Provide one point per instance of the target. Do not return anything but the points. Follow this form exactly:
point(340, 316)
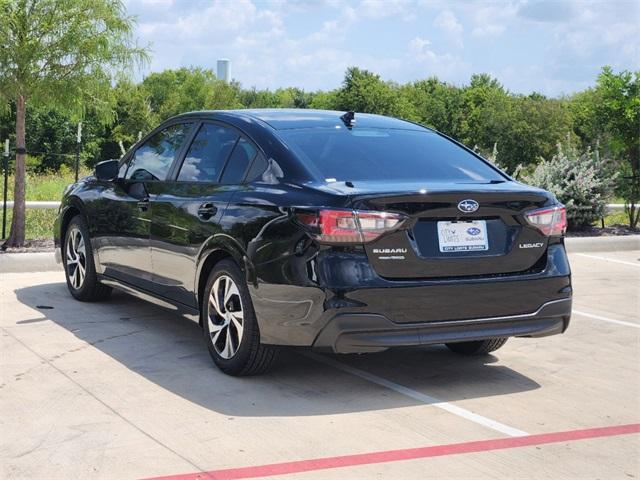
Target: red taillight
point(549, 220)
point(350, 226)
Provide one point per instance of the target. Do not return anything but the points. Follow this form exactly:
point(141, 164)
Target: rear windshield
point(382, 154)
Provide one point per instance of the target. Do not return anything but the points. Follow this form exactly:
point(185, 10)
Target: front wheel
point(230, 326)
point(79, 266)
point(479, 347)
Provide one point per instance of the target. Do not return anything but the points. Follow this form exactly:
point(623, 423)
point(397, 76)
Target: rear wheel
point(230, 326)
point(480, 347)
point(79, 266)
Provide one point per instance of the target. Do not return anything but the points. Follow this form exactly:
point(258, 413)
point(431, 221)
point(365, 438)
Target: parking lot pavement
point(124, 389)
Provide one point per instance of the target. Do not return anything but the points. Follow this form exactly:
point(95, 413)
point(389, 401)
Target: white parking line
point(607, 259)
point(421, 397)
point(605, 319)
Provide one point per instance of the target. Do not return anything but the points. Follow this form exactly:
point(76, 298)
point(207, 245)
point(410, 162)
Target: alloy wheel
point(225, 317)
point(76, 256)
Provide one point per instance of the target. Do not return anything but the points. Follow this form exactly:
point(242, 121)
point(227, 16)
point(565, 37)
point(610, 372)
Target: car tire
point(79, 264)
point(230, 327)
point(479, 347)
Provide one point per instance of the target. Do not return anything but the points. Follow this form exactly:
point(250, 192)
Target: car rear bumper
point(350, 308)
point(356, 333)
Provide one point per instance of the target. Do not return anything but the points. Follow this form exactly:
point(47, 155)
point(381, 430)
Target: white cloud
point(335, 30)
point(452, 28)
point(448, 22)
point(418, 45)
point(378, 9)
point(426, 62)
point(492, 19)
point(548, 10)
point(489, 30)
point(216, 20)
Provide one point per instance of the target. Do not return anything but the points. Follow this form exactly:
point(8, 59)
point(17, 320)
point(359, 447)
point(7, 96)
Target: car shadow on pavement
point(169, 351)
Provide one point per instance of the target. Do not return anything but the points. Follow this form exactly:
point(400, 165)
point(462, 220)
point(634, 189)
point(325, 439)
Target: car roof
point(291, 118)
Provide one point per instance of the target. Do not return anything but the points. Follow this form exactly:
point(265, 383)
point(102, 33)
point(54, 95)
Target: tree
point(487, 109)
point(436, 104)
point(618, 111)
point(325, 100)
point(586, 124)
point(187, 89)
point(62, 53)
point(254, 98)
point(531, 129)
point(133, 116)
point(363, 91)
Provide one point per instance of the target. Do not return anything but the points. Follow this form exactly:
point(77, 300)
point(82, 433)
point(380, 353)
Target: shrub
point(582, 181)
point(493, 157)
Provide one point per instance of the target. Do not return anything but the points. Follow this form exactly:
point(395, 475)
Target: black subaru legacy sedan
point(340, 231)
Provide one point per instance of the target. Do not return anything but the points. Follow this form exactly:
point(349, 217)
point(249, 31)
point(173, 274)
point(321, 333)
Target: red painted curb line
point(405, 454)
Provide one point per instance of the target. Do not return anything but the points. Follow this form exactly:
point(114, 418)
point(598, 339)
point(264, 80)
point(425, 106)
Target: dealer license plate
point(463, 236)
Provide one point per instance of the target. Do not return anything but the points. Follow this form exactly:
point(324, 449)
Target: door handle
point(207, 210)
point(143, 205)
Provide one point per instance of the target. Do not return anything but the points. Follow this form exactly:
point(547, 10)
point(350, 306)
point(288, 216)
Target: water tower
point(224, 70)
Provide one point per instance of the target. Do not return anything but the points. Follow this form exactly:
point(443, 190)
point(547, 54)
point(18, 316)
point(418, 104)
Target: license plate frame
point(462, 236)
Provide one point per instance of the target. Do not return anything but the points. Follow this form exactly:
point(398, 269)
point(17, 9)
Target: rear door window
point(258, 167)
point(242, 156)
point(153, 159)
point(208, 153)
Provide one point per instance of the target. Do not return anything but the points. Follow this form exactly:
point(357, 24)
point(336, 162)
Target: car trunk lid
point(444, 236)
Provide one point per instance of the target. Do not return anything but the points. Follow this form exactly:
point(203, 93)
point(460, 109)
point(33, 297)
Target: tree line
point(482, 114)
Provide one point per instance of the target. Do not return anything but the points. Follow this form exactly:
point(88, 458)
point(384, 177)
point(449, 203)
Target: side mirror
point(107, 170)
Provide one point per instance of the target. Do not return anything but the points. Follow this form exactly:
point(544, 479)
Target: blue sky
point(550, 46)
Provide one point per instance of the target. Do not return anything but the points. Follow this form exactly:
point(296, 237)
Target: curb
point(28, 262)
point(602, 244)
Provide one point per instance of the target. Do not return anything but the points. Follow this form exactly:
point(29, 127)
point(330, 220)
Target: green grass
point(44, 186)
point(618, 217)
point(38, 223)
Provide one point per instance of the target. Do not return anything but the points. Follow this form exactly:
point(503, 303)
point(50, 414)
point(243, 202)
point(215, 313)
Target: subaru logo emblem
point(468, 206)
point(473, 231)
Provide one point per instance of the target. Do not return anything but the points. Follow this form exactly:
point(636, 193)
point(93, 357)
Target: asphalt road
point(124, 389)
